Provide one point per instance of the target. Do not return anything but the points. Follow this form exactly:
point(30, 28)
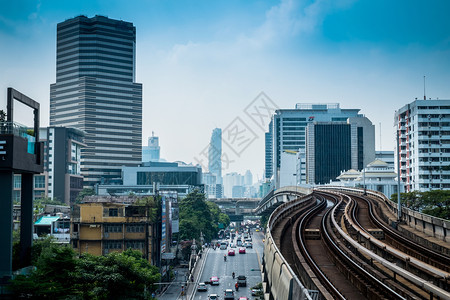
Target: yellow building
point(100, 228)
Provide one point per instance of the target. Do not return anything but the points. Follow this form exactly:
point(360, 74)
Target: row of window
point(118, 244)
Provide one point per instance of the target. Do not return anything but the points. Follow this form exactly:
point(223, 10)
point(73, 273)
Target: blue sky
point(202, 62)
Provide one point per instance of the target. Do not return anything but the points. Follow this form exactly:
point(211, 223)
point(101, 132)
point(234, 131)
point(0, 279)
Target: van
point(223, 246)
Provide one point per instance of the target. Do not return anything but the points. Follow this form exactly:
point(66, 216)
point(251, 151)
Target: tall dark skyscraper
point(95, 91)
point(215, 155)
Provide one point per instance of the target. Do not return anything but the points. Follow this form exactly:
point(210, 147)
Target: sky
point(208, 64)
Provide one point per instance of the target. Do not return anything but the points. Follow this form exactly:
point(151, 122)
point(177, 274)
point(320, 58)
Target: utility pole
point(399, 204)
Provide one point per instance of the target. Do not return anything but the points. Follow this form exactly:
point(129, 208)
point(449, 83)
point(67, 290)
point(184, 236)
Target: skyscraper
point(152, 151)
point(423, 127)
point(215, 154)
point(95, 91)
point(288, 132)
point(268, 172)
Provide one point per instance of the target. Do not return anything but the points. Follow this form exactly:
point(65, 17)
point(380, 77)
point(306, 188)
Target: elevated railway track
point(339, 248)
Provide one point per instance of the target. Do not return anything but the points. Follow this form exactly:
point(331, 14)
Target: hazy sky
point(202, 63)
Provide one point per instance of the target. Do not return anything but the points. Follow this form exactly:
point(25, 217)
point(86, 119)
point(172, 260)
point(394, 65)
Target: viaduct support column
point(6, 224)
point(26, 219)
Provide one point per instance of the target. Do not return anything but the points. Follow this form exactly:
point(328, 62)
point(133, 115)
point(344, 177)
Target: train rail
point(356, 264)
point(424, 276)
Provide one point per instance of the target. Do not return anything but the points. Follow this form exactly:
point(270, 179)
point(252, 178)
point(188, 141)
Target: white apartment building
point(423, 127)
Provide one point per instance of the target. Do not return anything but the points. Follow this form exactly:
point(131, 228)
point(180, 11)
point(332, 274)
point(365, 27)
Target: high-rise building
point(95, 91)
point(212, 188)
point(333, 147)
point(248, 178)
point(288, 131)
point(215, 154)
point(152, 151)
point(423, 127)
point(268, 172)
point(61, 179)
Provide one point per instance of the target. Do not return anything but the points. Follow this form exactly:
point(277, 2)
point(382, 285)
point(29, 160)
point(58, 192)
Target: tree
point(152, 206)
point(59, 274)
point(52, 278)
point(435, 203)
point(195, 217)
point(115, 276)
point(83, 193)
point(2, 116)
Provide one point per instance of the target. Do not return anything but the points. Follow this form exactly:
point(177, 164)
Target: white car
point(213, 297)
point(202, 287)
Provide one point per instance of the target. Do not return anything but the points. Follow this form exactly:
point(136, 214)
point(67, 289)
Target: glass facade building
point(95, 91)
point(287, 132)
point(215, 154)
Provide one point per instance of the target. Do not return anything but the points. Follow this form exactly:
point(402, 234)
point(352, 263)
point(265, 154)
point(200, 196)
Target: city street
point(240, 264)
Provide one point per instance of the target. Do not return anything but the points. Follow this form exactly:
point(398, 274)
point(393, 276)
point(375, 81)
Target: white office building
point(423, 127)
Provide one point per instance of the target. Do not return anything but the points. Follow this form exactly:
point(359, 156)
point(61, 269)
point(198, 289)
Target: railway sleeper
point(363, 261)
point(371, 290)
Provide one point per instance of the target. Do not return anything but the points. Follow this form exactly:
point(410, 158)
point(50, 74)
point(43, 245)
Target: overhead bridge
point(279, 196)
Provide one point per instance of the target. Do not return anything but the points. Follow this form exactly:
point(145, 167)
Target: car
point(228, 294)
point(232, 245)
point(213, 297)
point(242, 280)
point(243, 298)
point(242, 250)
point(214, 280)
point(202, 287)
point(256, 292)
point(231, 252)
point(257, 229)
point(249, 245)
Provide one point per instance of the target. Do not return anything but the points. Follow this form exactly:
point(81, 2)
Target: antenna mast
point(424, 95)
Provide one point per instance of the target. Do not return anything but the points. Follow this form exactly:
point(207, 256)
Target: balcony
point(18, 129)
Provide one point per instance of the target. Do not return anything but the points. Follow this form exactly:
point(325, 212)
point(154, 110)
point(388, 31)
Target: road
point(240, 264)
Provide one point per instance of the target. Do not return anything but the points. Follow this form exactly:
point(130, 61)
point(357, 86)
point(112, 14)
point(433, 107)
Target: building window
point(39, 181)
point(16, 196)
point(135, 228)
point(135, 245)
point(39, 194)
point(112, 244)
point(17, 181)
point(113, 212)
point(113, 228)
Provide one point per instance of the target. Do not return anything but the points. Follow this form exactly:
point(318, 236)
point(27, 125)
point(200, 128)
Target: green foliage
point(83, 193)
point(263, 220)
point(260, 294)
point(59, 274)
point(39, 204)
point(152, 205)
point(197, 215)
point(2, 116)
point(435, 203)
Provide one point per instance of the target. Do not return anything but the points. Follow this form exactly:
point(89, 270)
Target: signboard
point(167, 255)
point(163, 224)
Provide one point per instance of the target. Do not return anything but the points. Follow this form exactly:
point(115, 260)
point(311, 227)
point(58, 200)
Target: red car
point(242, 250)
point(231, 252)
point(214, 280)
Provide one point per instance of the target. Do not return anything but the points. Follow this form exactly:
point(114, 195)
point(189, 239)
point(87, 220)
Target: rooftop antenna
point(381, 148)
point(424, 97)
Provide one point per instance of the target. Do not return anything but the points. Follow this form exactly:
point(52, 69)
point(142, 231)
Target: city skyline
point(203, 65)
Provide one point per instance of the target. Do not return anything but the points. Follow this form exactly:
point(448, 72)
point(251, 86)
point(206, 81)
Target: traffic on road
point(230, 272)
